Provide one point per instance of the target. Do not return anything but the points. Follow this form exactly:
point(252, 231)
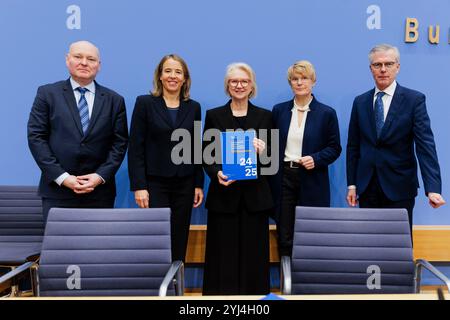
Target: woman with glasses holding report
point(237, 241)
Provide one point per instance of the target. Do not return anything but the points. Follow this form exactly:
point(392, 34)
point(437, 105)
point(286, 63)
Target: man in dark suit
point(78, 135)
point(386, 124)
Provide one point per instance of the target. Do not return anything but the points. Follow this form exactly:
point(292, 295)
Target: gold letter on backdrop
point(434, 39)
point(412, 24)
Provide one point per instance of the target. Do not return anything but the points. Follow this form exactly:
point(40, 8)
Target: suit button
point(82, 144)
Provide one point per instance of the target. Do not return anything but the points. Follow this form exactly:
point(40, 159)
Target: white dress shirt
point(294, 143)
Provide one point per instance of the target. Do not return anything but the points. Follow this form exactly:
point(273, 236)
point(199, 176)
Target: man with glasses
point(386, 124)
point(77, 133)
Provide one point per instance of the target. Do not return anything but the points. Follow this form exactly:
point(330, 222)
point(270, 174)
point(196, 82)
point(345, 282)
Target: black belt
point(292, 164)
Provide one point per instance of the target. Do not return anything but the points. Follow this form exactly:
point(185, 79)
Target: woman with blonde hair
point(237, 240)
point(308, 143)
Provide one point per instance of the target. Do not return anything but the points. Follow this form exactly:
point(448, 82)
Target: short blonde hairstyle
point(248, 70)
point(303, 67)
point(157, 84)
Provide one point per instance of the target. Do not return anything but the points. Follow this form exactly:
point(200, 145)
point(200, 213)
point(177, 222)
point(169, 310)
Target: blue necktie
point(83, 109)
point(379, 112)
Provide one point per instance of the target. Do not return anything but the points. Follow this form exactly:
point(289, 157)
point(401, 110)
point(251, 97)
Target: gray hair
point(383, 48)
point(248, 70)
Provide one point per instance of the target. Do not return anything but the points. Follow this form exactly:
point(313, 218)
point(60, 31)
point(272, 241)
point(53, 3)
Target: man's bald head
point(83, 62)
point(83, 44)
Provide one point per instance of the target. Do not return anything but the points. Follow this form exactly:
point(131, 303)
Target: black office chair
point(21, 233)
point(352, 251)
point(108, 252)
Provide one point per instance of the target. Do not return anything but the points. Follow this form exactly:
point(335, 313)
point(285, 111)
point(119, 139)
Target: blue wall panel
point(269, 35)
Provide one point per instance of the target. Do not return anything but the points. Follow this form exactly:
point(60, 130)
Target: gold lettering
point(412, 26)
point(434, 39)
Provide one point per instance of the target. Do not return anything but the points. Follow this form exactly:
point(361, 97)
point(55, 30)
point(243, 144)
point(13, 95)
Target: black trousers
point(289, 200)
point(374, 197)
point(176, 193)
point(48, 203)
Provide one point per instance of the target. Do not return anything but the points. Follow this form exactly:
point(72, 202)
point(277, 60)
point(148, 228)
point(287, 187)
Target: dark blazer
point(150, 141)
point(56, 139)
point(321, 141)
point(255, 193)
point(392, 154)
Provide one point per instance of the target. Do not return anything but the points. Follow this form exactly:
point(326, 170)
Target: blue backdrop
point(269, 35)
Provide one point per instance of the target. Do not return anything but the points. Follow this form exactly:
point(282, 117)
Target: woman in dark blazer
point(308, 143)
point(156, 179)
point(237, 241)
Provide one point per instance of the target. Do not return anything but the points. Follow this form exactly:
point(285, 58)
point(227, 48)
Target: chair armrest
point(16, 271)
point(285, 274)
point(418, 271)
point(176, 271)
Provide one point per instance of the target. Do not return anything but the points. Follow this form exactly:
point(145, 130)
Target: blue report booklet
point(239, 155)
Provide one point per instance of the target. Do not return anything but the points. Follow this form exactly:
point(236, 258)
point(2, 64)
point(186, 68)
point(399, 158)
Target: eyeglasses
point(234, 83)
point(387, 65)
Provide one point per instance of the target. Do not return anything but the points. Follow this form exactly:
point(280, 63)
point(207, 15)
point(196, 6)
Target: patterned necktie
point(379, 112)
point(83, 109)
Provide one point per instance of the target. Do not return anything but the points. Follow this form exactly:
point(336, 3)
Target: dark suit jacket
point(321, 141)
point(392, 154)
point(256, 193)
point(150, 141)
point(56, 139)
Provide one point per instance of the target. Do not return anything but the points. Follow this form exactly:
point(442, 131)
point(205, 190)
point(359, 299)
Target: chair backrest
point(349, 250)
point(105, 252)
point(21, 219)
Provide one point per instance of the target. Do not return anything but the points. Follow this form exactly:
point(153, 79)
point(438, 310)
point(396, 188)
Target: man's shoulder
point(108, 91)
point(53, 86)
point(408, 91)
point(365, 95)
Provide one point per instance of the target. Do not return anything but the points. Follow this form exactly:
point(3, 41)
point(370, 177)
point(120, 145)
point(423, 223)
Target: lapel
point(285, 120)
point(227, 119)
point(182, 113)
point(396, 103)
point(370, 114)
point(161, 109)
point(98, 107)
point(253, 118)
point(72, 103)
point(311, 120)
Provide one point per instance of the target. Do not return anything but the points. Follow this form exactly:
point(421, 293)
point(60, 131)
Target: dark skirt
point(237, 253)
